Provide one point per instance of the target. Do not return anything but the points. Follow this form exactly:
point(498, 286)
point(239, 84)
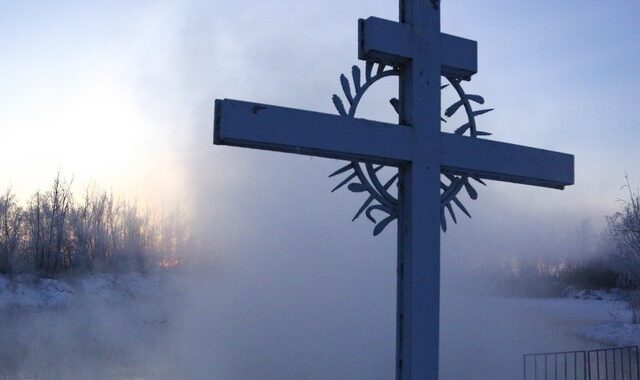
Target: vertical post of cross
point(418, 301)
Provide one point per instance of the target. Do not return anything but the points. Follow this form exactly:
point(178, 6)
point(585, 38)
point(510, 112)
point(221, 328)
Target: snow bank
point(614, 333)
point(600, 294)
point(614, 328)
point(26, 291)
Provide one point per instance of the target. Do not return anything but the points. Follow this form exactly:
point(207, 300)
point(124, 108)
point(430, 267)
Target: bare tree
point(55, 233)
point(56, 206)
point(34, 231)
point(624, 229)
point(10, 231)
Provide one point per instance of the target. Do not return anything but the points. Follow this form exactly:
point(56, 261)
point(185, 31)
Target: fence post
point(637, 365)
point(587, 365)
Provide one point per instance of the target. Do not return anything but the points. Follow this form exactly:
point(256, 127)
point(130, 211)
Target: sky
point(121, 94)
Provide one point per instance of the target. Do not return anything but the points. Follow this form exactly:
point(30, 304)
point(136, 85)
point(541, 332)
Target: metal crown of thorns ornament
point(433, 167)
point(363, 176)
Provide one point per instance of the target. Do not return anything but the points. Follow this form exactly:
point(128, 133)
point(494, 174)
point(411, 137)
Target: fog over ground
point(291, 288)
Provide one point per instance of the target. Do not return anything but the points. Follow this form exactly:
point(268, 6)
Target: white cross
point(416, 146)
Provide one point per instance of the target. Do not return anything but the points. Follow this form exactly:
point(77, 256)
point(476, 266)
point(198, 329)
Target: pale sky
point(74, 76)
point(121, 93)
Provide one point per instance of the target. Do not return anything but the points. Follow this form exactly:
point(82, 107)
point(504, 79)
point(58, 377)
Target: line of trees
point(55, 233)
point(550, 277)
point(596, 261)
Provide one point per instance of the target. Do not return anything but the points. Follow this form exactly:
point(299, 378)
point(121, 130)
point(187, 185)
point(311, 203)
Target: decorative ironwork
point(363, 177)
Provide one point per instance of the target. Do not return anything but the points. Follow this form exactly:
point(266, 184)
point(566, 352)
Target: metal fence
point(619, 363)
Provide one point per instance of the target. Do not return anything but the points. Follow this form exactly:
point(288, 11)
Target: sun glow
point(75, 102)
point(100, 130)
point(98, 133)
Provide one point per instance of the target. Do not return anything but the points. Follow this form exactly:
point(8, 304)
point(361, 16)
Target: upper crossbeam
point(394, 43)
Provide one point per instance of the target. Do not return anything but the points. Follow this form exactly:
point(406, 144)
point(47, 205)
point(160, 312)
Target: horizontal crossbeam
point(501, 161)
point(394, 43)
point(282, 129)
point(310, 133)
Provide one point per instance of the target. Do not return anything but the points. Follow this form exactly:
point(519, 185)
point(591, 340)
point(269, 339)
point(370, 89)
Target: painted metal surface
point(433, 167)
point(368, 144)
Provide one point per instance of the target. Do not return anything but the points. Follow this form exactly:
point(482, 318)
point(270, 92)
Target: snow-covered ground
point(612, 318)
point(601, 316)
point(26, 291)
point(178, 326)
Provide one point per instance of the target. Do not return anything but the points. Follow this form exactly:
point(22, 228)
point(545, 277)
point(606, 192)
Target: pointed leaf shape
point(453, 214)
point(444, 86)
point(346, 88)
point(382, 225)
point(459, 204)
point(481, 112)
point(390, 181)
point(369, 69)
point(355, 73)
point(443, 119)
point(443, 220)
point(473, 194)
point(479, 180)
point(341, 170)
point(337, 102)
point(363, 207)
point(345, 181)
point(357, 187)
point(454, 107)
point(396, 104)
point(381, 67)
point(476, 98)
point(463, 128)
point(481, 133)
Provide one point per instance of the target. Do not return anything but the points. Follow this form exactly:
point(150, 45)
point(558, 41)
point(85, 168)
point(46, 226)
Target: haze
point(122, 94)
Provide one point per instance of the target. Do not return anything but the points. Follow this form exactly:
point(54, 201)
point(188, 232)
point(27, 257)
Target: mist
point(283, 284)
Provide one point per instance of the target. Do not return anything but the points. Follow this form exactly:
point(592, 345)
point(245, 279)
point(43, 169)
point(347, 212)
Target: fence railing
point(618, 363)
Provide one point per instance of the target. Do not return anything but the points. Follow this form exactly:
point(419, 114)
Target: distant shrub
point(594, 273)
point(550, 277)
point(529, 278)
